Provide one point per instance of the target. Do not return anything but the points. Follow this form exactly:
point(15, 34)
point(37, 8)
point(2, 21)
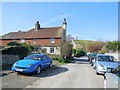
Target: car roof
point(38, 54)
point(103, 55)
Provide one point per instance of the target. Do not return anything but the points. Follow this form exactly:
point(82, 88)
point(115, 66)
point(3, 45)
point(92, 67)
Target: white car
point(112, 80)
point(104, 63)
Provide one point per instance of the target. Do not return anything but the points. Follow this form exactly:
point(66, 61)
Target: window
point(47, 57)
point(44, 58)
point(117, 71)
point(22, 40)
point(52, 50)
point(52, 40)
point(34, 40)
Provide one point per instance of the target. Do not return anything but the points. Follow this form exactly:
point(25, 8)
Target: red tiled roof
point(52, 32)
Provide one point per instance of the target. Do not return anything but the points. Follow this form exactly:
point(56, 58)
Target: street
point(78, 74)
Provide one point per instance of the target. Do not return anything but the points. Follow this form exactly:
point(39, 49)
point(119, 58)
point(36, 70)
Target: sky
point(87, 20)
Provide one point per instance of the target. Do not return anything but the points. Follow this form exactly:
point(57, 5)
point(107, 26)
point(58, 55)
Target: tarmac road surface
point(78, 74)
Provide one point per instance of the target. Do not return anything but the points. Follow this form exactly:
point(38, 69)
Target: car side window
point(44, 58)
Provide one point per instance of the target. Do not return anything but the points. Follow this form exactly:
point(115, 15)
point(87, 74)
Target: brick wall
point(43, 42)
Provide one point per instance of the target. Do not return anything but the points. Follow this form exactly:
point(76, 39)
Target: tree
point(95, 47)
point(66, 49)
point(103, 50)
point(114, 46)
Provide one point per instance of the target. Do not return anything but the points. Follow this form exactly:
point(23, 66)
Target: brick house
point(49, 38)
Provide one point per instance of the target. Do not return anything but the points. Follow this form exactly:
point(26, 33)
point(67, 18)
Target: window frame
point(52, 40)
point(22, 40)
point(52, 51)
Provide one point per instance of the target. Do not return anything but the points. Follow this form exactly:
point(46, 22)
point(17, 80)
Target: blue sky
point(87, 20)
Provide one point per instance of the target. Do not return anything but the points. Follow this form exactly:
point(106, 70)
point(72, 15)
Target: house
point(49, 38)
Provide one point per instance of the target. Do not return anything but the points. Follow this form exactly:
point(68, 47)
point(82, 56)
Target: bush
point(66, 49)
point(16, 50)
point(61, 60)
point(14, 43)
point(80, 53)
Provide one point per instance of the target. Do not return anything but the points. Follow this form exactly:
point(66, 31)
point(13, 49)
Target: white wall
point(56, 50)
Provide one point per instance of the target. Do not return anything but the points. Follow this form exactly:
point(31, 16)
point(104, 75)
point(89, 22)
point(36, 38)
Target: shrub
point(80, 53)
point(16, 50)
point(66, 49)
point(14, 43)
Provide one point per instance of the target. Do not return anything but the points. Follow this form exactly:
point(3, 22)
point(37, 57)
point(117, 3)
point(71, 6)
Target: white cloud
point(56, 18)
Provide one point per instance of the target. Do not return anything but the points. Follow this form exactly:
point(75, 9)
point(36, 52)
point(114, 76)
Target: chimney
point(37, 26)
point(64, 24)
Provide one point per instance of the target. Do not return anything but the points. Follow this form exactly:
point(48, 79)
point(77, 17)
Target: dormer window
point(52, 40)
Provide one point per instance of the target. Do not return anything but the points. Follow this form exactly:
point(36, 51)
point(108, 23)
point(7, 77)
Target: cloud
point(110, 36)
point(56, 18)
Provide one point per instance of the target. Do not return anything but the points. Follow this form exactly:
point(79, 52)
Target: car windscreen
point(106, 58)
point(34, 57)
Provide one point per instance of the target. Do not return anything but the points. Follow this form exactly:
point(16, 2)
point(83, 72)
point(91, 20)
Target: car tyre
point(38, 70)
point(96, 72)
point(50, 65)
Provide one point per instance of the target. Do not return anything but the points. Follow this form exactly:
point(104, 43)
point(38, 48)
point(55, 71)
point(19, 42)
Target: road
point(78, 74)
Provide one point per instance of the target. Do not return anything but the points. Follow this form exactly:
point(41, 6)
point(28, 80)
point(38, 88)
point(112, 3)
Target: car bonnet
point(109, 64)
point(25, 63)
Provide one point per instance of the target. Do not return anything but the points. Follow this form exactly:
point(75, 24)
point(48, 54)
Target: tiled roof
point(52, 32)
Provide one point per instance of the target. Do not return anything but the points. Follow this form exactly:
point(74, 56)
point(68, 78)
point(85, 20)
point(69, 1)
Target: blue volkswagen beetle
point(32, 63)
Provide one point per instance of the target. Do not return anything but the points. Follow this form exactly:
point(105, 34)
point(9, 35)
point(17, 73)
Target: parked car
point(92, 58)
point(112, 79)
point(32, 63)
point(104, 63)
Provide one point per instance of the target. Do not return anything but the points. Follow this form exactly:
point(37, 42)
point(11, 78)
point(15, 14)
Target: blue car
point(104, 63)
point(32, 63)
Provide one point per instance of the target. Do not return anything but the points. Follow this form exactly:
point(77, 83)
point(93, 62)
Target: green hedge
point(20, 49)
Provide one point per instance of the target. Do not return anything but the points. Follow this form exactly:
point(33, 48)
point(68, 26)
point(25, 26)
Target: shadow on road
point(81, 61)
point(54, 70)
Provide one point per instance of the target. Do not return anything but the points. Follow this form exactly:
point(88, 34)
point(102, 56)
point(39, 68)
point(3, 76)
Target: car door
point(48, 60)
point(113, 79)
point(43, 64)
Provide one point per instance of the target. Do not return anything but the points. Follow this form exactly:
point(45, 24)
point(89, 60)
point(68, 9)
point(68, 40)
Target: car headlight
point(15, 63)
point(30, 64)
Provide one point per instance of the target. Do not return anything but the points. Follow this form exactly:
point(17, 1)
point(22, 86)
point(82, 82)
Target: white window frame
point(52, 40)
point(53, 51)
point(22, 40)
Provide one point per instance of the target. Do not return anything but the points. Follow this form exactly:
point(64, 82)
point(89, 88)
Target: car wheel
point(96, 71)
point(38, 70)
point(91, 64)
point(50, 65)
point(105, 83)
point(94, 67)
